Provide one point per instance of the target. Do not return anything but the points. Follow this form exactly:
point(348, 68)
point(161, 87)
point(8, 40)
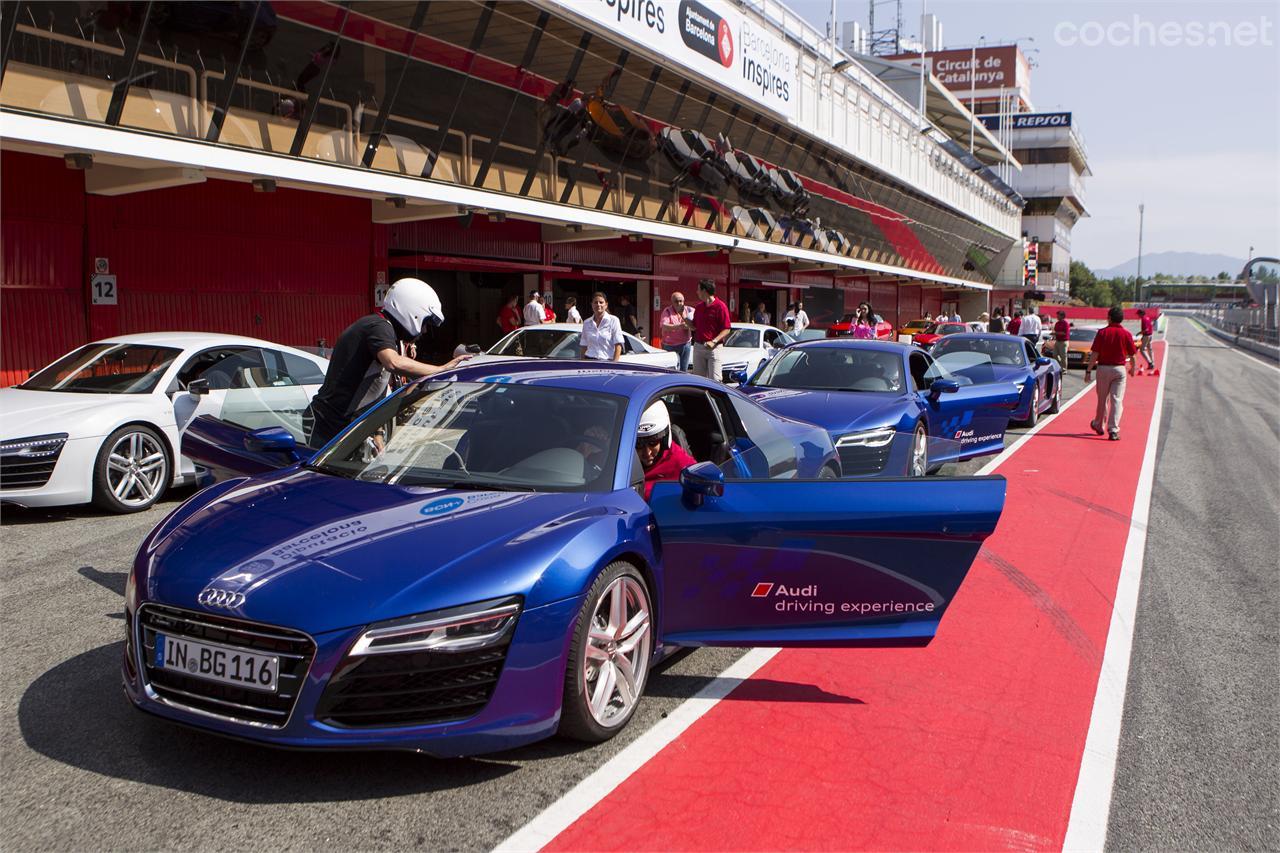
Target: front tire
point(609, 657)
point(132, 470)
point(918, 463)
point(1033, 416)
point(1055, 405)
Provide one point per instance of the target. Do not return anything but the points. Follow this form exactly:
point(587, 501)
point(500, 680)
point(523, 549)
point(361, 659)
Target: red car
point(926, 338)
point(844, 329)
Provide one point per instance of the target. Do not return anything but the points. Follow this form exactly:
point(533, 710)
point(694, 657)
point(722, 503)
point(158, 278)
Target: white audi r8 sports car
point(104, 422)
point(748, 346)
point(562, 340)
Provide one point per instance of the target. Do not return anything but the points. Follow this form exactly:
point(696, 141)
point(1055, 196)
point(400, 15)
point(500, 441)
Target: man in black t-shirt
point(627, 316)
point(367, 353)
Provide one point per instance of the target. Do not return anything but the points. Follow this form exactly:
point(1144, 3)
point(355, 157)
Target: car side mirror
point(199, 387)
point(1043, 362)
point(702, 481)
point(738, 376)
point(943, 386)
point(275, 439)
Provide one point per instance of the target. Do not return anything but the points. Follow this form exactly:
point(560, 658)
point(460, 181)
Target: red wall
point(288, 266)
point(42, 291)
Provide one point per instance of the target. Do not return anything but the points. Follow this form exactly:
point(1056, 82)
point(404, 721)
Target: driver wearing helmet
point(367, 353)
point(661, 458)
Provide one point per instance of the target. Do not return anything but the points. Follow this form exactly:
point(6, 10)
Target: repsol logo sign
point(647, 12)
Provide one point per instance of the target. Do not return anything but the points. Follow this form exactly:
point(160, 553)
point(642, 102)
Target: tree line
point(1102, 292)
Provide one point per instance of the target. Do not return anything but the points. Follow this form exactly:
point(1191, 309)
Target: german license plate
point(212, 662)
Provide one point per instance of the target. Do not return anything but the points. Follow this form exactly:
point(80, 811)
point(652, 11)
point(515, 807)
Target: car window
point(303, 371)
point(490, 435)
point(1029, 351)
point(106, 368)
point(225, 366)
point(746, 338)
point(538, 343)
point(1002, 350)
point(633, 344)
point(757, 448)
point(774, 338)
point(830, 368)
point(920, 371)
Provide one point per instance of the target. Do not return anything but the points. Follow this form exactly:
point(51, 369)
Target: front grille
point(411, 688)
point(862, 461)
point(28, 463)
point(294, 649)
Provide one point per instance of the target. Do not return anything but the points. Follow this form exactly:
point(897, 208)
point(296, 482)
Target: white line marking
point(1252, 358)
point(561, 814)
point(1091, 806)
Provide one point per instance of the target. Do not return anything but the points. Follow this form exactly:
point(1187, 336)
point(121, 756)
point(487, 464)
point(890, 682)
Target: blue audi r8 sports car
point(472, 565)
point(990, 358)
point(890, 409)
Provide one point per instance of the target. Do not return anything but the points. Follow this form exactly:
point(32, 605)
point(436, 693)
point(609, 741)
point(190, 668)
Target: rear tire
point(609, 657)
point(132, 471)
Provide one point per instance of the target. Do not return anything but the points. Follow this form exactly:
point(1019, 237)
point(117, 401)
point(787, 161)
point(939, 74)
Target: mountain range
point(1176, 264)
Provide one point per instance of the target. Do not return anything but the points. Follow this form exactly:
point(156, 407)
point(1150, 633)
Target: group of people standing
point(696, 333)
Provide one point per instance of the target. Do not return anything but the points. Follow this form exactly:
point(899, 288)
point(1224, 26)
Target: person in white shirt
point(601, 332)
point(1030, 328)
point(534, 313)
point(571, 314)
point(801, 320)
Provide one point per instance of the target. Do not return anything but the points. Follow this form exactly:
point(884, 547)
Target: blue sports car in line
point(891, 410)
point(472, 566)
point(992, 358)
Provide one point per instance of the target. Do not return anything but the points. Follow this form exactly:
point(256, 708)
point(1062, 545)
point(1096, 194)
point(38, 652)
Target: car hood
point(26, 413)
point(837, 412)
point(318, 552)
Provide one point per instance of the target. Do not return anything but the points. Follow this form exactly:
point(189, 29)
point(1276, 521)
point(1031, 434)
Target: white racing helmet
point(654, 423)
point(413, 304)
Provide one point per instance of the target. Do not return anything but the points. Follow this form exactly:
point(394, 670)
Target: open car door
point(259, 429)
point(840, 563)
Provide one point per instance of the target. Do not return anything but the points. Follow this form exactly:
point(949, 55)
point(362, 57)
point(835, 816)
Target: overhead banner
point(710, 38)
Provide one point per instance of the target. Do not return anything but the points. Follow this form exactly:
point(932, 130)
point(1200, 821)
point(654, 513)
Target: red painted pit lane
point(972, 743)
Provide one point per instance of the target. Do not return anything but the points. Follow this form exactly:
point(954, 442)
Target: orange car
point(915, 327)
point(1078, 346)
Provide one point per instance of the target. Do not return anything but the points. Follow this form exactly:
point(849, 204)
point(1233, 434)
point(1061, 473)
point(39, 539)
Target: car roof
point(983, 336)
point(197, 340)
point(757, 326)
point(857, 343)
point(623, 378)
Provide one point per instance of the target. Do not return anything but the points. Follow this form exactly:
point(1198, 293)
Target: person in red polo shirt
point(1144, 344)
point(1113, 350)
point(710, 326)
point(1061, 337)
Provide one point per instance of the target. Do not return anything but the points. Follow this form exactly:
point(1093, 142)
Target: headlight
point(35, 447)
point(458, 629)
point(867, 438)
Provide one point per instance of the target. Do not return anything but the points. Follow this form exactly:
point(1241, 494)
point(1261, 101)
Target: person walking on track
point(1113, 351)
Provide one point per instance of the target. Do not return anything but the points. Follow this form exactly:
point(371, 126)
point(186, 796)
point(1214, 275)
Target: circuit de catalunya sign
point(709, 38)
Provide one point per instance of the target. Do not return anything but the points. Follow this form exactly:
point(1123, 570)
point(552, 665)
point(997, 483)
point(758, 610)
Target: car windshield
point(1083, 334)
point(460, 435)
point(747, 338)
point(1008, 350)
point(833, 369)
point(538, 343)
point(105, 368)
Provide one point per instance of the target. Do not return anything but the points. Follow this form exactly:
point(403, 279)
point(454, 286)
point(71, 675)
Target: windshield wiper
point(500, 485)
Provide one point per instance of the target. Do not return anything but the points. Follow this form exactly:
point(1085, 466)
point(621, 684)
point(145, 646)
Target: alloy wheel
point(136, 469)
point(919, 453)
point(619, 642)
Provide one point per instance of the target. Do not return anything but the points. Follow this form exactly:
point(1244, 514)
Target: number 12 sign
point(103, 289)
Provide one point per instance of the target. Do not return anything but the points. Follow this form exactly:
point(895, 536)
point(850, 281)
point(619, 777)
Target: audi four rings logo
point(212, 597)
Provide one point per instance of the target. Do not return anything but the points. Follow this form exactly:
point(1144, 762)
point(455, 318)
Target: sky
point(1190, 131)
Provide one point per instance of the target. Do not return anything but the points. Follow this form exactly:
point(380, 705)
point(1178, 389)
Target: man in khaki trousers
point(1113, 349)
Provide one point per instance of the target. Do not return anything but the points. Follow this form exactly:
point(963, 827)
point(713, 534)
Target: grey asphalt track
point(83, 770)
point(1199, 763)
